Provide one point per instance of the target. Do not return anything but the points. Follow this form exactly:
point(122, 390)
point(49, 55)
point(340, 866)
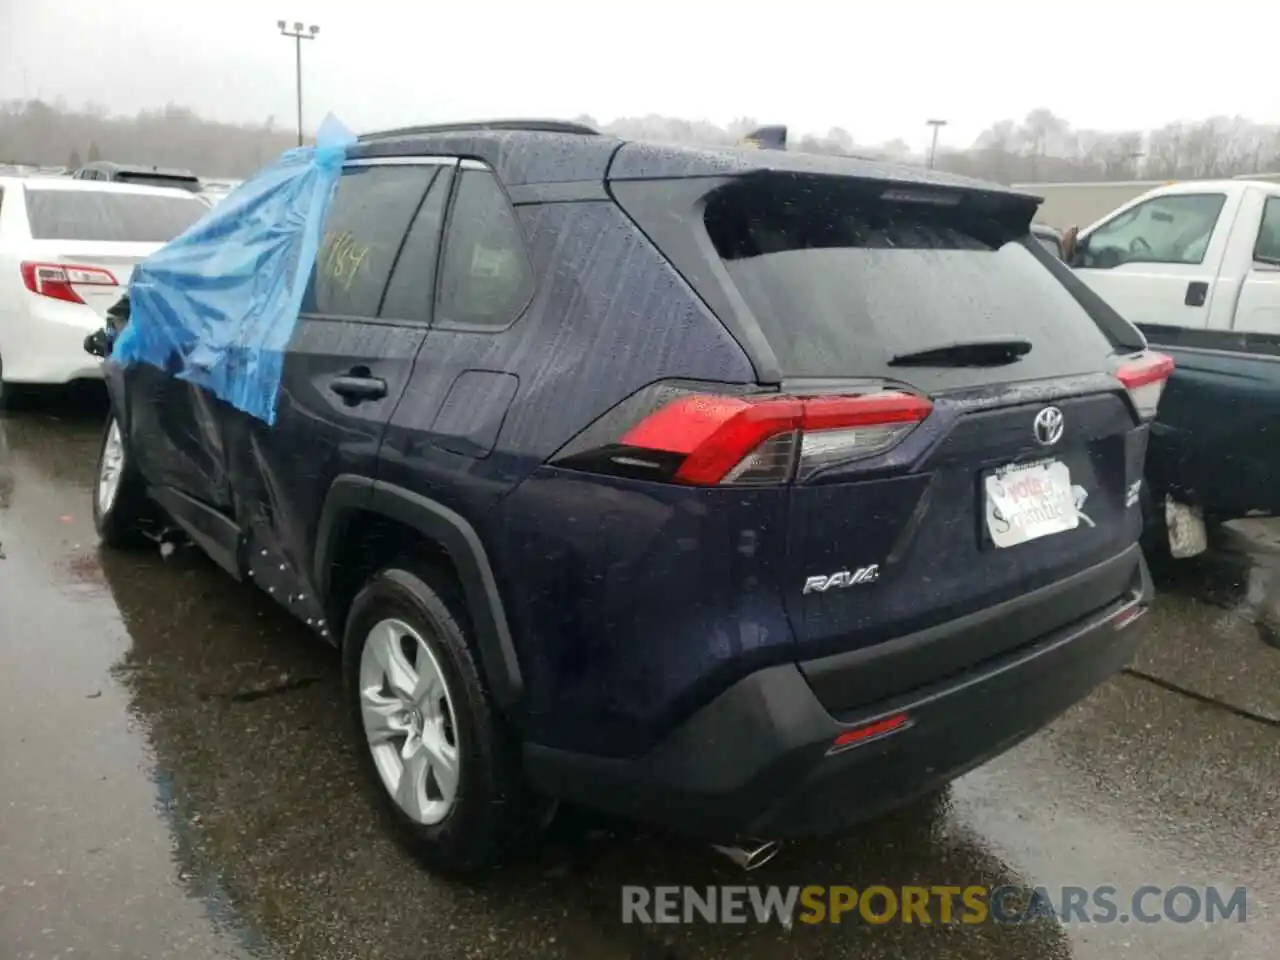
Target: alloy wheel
point(409, 721)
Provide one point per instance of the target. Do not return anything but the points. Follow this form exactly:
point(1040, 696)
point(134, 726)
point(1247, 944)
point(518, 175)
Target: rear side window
point(485, 280)
point(366, 223)
point(1267, 248)
point(108, 216)
point(158, 180)
point(841, 281)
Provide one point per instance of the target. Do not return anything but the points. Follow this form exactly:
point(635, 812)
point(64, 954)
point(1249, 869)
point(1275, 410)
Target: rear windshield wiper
point(966, 353)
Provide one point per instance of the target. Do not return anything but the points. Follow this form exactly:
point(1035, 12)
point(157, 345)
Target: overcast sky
point(877, 68)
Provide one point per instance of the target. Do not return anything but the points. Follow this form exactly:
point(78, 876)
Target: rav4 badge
point(842, 579)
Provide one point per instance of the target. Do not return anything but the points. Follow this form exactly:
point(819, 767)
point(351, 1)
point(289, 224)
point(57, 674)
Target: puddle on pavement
point(263, 795)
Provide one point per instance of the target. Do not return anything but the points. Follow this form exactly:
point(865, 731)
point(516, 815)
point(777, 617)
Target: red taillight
point(1145, 380)
point(870, 731)
point(55, 280)
point(717, 434)
point(1128, 616)
point(709, 439)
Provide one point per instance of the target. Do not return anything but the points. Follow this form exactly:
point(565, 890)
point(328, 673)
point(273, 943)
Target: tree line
point(52, 134)
point(1042, 147)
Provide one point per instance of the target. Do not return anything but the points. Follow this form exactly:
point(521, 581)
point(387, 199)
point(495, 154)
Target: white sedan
point(67, 251)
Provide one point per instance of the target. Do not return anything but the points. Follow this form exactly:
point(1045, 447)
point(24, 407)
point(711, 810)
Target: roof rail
point(530, 126)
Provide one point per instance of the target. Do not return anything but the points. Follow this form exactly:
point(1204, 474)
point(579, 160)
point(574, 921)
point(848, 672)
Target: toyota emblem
point(1048, 426)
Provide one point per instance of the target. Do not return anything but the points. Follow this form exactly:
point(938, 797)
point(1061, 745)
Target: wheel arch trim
point(350, 493)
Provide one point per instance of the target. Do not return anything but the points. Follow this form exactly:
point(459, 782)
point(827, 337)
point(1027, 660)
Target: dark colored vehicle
point(745, 492)
point(766, 138)
point(146, 176)
point(1195, 266)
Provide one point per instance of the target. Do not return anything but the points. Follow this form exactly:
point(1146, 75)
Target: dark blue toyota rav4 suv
point(744, 492)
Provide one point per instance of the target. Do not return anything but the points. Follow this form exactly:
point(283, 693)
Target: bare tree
point(839, 137)
point(1043, 146)
point(1164, 151)
point(1043, 132)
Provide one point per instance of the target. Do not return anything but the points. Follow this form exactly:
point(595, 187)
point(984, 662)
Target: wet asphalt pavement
point(175, 780)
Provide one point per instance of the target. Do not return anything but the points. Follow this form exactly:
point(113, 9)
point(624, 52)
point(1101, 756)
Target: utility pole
point(933, 147)
point(298, 36)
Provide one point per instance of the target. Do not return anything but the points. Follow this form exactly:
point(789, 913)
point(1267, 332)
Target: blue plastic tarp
point(216, 306)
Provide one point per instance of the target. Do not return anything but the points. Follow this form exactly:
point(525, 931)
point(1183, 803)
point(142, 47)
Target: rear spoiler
point(766, 138)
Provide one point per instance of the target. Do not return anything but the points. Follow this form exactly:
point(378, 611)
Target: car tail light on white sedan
point(59, 280)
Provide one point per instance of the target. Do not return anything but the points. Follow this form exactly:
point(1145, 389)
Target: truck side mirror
point(1074, 246)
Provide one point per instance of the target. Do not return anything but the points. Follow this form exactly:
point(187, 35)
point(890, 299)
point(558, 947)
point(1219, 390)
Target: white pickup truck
point(1196, 266)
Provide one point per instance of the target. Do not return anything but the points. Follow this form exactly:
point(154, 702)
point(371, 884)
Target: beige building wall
point(1080, 204)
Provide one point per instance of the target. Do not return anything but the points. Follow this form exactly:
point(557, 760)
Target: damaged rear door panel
point(363, 320)
point(175, 432)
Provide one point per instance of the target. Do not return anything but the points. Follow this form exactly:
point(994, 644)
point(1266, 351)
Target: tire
point(120, 504)
point(453, 731)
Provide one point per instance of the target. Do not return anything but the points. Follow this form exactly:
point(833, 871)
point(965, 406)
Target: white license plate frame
point(1025, 502)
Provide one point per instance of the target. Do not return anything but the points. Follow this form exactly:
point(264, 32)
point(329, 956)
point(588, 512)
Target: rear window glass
point(109, 216)
point(159, 180)
point(841, 281)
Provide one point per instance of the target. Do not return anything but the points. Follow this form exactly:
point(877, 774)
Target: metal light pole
point(933, 148)
point(298, 36)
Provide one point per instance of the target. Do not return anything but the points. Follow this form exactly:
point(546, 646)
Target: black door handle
point(1197, 292)
point(357, 389)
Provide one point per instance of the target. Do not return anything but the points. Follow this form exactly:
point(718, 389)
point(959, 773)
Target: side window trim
point(423, 160)
point(447, 238)
point(448, 168)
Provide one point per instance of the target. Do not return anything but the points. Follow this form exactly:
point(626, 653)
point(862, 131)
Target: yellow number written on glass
point(341, 257)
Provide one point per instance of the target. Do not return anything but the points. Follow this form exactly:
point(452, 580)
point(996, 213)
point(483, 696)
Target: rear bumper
point(755, 761)
point(50, 347)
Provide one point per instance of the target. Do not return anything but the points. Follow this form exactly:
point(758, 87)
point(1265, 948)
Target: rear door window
point(108, 216)
point(365, 226)
point(841, 280)
point(411, 289)
point(485, 280)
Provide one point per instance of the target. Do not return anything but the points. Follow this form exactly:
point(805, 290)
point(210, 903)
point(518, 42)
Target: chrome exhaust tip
point(752, 854)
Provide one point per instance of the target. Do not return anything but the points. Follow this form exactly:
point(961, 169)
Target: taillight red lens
point(1145, 380)
point(708, 440)
point(55, 280)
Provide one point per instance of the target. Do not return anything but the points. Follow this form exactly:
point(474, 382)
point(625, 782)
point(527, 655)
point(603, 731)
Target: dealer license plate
point(1029, 502)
